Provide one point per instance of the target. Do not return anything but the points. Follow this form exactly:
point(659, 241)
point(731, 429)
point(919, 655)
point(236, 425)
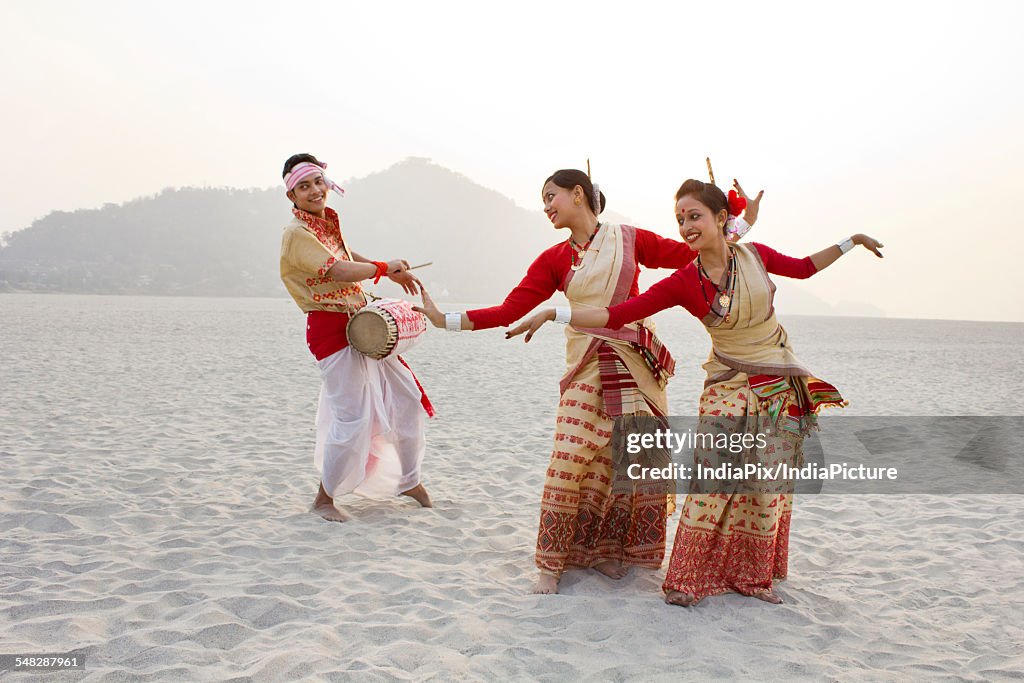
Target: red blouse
point(683, 288)
point(548, 272)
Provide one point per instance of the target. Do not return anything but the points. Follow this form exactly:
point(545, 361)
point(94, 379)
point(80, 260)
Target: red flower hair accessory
point(736, 203)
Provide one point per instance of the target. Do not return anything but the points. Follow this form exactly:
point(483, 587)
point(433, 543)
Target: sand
point(154, 519)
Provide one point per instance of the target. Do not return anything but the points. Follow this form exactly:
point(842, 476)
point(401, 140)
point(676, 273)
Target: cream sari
point(740, 542)
point(590, 511)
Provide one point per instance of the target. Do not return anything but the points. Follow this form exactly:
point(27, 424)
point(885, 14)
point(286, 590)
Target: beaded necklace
point(578, 251)
point(726, 296)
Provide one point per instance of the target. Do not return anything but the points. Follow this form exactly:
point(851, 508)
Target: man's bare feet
point(420, 495)
point(767, 595)
point(546, 584)
point(612, 569)
point(323, 505)
point(331, 513)
point(681, 599)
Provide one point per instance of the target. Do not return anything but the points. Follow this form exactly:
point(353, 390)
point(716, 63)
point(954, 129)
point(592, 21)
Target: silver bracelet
point(846, 245)
point(453, 322)
point(563, 314)
point(740, 226)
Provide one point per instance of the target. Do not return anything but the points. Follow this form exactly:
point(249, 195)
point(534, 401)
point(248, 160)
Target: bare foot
point(681, 599)
point(767, 595)
point(331, 513)
point(546, 584)
point(420, 495)
point(612, 569)
point(323, 505)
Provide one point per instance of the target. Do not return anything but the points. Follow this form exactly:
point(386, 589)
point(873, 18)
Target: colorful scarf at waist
point(792, 403)
point(621, 393)
point(637, 338)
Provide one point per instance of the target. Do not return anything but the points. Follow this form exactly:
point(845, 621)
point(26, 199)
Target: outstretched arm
point(436, 316)
point(580, 317)
point(801, 268)
point(669, 292)
point(826, 257)
point(537, 287)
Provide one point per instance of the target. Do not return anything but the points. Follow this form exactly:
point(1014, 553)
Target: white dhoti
point(369, 426)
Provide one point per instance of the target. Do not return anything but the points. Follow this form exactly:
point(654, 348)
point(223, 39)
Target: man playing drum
point(370, 420)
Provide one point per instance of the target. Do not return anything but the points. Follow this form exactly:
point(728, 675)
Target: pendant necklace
point(725, 296)
point(578, 251)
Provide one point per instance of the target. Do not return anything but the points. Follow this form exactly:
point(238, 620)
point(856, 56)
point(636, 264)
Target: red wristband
point(382, 269)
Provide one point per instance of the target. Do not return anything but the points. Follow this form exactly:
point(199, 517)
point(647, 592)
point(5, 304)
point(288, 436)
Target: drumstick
point(422, 265)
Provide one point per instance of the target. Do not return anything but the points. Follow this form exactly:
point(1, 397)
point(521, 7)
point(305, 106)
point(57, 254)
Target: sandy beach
point(154, 519)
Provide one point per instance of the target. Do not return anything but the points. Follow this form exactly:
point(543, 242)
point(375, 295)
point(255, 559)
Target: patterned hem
point(720, 589)
point(583, 564)
point(706, 562)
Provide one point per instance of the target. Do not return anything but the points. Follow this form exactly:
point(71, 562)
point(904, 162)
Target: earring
point(578, 201)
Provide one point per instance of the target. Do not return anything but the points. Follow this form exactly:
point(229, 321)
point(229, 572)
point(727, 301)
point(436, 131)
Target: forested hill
point(226, 242)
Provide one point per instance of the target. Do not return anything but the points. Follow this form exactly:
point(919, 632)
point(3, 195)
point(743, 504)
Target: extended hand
point(531, 325)
point(430, 309)
point(869, 243)
point(753, 205)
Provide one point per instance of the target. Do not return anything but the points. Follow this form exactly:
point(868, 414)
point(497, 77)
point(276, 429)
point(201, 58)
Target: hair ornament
point(736, 203)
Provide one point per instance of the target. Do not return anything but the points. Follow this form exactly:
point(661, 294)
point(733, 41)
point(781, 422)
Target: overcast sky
point(899, 119)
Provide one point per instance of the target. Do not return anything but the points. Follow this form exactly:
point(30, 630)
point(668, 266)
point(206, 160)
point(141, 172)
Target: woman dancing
point(732, 542)
point(588, 518)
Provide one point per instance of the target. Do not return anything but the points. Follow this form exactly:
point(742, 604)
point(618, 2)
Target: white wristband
point(846, 245)
point(740, 227)
point(453, 322)
point(563, 314)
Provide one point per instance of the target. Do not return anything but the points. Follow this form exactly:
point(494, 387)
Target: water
point(93, 363)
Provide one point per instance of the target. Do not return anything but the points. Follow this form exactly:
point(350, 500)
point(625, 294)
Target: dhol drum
point(386, 327)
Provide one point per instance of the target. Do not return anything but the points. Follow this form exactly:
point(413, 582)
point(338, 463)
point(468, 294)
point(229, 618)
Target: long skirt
point(369, 426)
point(590, 510)
point(740, 541)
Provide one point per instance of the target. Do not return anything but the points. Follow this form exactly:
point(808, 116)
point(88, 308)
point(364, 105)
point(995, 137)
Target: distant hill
point(226, 242)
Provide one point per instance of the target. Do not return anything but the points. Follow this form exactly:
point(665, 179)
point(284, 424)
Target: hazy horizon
point(794, 297)
point(461, 305)
point(900, 121)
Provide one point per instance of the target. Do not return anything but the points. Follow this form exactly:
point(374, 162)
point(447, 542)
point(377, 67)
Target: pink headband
point(306, 169)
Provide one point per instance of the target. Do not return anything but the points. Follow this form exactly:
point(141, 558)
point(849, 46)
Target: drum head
point(368, 334)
